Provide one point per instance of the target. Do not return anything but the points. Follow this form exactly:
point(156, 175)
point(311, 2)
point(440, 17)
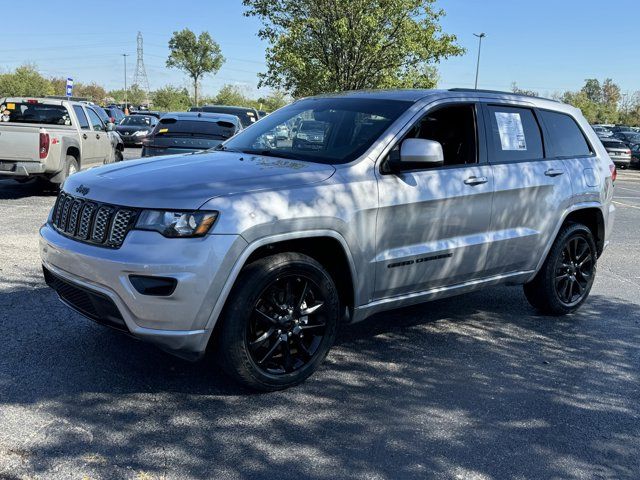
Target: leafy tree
point(171, 98)
point(610, 92)
point(197, 56)
point(334, 45)
point(25, 81)
point(231, 95)
point(135, 95)
point(520, 91)
point(273, 101)
point(592, 90)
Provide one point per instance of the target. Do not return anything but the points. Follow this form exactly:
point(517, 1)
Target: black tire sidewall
point(249, 285)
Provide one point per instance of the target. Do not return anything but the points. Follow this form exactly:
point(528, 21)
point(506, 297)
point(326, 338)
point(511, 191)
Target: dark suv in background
point(247, 115)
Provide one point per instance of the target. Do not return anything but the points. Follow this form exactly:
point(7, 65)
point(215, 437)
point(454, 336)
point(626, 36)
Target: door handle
point(553, 172)
point(84, 135)
point(98, 136)
point(475, 180)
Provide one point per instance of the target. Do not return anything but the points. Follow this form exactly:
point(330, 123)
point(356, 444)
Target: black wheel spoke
point(258, 342)
point(271, 351)
point(266, 317)
point(574, 269)
point(285, 329)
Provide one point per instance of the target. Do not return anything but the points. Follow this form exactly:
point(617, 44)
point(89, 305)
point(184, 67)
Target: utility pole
point(126, 104)
point(140, 78)
point(480, 37)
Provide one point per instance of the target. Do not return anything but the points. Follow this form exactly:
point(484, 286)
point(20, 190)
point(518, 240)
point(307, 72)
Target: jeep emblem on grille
point(82, 190)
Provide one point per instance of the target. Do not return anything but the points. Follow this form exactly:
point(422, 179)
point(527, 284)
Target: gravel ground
point(477, 386)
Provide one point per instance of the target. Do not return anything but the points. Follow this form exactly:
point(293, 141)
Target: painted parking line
point(627, 205)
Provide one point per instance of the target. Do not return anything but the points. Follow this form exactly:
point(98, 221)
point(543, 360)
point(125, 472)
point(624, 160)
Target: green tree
point(334, 45)
point(197, 56)
point(592, 90)
point(273, 101)
point(520, 91)
point(171, 98)
point(25, 81)
point(135, 95)
point(231, 95)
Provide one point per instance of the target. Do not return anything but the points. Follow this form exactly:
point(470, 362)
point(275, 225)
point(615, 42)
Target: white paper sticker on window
point(511, 131)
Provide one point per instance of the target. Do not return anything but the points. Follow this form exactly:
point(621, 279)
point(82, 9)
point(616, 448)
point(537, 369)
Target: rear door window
point(82, 118)
point(566, 137)
point(514, 134)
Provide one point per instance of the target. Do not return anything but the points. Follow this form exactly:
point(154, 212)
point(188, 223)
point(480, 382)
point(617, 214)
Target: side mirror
point(416, 153)
point(110, 127)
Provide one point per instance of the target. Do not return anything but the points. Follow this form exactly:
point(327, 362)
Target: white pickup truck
point(51, 139)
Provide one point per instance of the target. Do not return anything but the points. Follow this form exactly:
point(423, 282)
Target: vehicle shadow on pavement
point(478, 385)
point(11, 190)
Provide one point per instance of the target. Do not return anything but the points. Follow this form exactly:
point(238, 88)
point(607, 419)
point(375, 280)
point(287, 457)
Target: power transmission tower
point(140, 78)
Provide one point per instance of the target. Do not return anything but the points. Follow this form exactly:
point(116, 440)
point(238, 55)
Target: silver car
point(257, 251)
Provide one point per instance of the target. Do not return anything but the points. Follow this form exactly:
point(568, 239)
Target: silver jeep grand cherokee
point(258, 250)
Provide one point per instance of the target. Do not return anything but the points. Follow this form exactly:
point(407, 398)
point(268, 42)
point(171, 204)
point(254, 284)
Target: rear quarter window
point(565, 136)
point(515, 134)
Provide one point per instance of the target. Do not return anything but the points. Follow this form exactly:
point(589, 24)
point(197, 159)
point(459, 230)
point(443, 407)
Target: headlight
point(140, 133)
point(176, 224)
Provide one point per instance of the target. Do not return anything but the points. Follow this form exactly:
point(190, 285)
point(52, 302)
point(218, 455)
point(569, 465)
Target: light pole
point(480, 37)
point(126, 104)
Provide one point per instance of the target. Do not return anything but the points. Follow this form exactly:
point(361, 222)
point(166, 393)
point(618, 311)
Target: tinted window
point(610, 144)
point(139, 120)
point(195, 128)
point(82, 118)
point(566, 138)
point(94, 119)
point(454, 128)
point(34, 113)
point(246, 116)
point(515, 134)
point(342, 129)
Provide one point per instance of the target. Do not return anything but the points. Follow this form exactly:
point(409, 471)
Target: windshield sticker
point(11, 106)
point(511, 131)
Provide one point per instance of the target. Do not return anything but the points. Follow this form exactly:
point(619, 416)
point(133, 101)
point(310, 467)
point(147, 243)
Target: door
point(101, 137)
point(432, 223)
point(88, 150)
point(530, 188)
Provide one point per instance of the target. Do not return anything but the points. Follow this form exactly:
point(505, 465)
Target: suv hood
point(188, 181)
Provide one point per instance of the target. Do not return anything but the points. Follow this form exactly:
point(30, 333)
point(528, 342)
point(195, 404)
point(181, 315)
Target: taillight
point(614, 172)
point(44, 145)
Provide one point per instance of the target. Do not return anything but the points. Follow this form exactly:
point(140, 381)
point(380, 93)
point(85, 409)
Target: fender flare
point(252, 247)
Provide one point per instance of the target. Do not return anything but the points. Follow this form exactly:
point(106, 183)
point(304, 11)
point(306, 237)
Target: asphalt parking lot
point(477, 386)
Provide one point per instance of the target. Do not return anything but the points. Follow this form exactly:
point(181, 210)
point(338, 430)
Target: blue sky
point(543, 45)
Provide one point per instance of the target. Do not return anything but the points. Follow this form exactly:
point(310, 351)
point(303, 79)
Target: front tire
point(566, 277)
point(279, 323)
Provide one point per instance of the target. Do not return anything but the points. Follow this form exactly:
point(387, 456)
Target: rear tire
point(566, 277)
point(70, 167)
point(279, 322)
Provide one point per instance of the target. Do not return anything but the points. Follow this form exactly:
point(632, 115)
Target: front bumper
point(131, 140)
point(181, 322)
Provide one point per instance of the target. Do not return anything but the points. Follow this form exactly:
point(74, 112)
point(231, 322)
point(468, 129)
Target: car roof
point(228, 107)
point(202, 116)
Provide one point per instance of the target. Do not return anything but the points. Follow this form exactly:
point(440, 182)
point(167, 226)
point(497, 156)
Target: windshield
point(194, 128)
point(137, 120)
point(324, 130)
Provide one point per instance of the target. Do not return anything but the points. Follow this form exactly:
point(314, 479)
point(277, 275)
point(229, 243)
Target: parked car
point(51, 139)
point(618, 151)
point(115, 114)
point(635, 156)
point(151, 113)
point(189, 132)
point(282, 132)
point(602, 132)
point(628, 137)
point(135, 128)
point(261, 253)
point(116, 140)
point(247, 115)
point(311, 135)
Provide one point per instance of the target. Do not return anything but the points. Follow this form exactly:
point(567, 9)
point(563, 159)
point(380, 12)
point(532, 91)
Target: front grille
point(93, 305)
point(92, 222)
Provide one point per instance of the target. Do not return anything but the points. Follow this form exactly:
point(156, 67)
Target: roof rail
point(501, 92)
